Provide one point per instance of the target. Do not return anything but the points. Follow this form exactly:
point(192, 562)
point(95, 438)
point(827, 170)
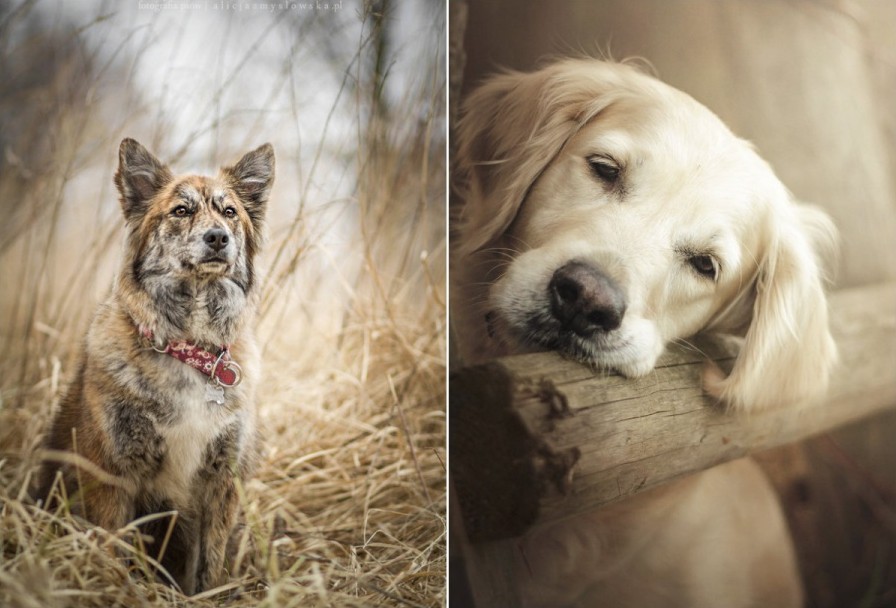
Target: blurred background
point(812, 84)
point(348, 506)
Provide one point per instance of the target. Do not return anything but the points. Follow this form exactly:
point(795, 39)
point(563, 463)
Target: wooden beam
point(535, 438)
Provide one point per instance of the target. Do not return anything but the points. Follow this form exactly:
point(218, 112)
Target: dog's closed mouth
point(214, 261)
point(214, 266)
point(542, 332)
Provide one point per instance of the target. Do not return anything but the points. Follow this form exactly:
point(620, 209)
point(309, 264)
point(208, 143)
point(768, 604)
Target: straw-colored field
point(348, 505)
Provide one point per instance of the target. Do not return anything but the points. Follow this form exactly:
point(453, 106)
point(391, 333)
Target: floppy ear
point(139, 178)
point(788, 351)
point(251, 179)
point(510, 129)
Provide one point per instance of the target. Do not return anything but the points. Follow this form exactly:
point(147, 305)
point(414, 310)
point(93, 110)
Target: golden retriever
point(605, 215)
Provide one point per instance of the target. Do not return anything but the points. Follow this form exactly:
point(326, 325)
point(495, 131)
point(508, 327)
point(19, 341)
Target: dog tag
point(214, 393)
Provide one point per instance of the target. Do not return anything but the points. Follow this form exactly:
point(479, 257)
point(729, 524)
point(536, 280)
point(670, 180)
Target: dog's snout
point(216, 238)
point(586, 300)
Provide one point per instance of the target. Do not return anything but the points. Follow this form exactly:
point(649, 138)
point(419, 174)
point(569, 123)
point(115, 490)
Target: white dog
point(605, 215)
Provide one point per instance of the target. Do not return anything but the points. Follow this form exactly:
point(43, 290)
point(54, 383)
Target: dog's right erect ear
point(139, 177)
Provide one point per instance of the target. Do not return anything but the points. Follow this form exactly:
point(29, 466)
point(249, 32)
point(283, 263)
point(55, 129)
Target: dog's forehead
point(676, 127)
point(686, 147)
point(198, 188)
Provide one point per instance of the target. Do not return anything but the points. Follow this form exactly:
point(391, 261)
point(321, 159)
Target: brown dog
point(163, 397)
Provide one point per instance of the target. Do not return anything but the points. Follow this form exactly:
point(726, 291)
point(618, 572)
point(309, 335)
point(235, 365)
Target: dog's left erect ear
point(251, 178)
point(139, 178)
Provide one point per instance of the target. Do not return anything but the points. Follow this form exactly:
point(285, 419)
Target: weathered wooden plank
point(535, 438)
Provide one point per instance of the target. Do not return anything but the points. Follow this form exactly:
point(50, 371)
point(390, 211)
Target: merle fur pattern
point(142, 416)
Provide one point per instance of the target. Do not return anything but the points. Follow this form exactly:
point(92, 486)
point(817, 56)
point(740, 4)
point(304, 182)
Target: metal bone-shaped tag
point(214, 393)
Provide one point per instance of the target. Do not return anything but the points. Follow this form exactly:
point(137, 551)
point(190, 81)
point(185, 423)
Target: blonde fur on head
point(512, 127)
point(518, 138)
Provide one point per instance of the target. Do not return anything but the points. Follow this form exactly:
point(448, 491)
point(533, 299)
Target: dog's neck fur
point(202, 310)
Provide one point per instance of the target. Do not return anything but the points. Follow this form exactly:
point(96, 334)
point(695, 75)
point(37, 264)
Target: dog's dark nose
point(585, 300)
point(216, 238)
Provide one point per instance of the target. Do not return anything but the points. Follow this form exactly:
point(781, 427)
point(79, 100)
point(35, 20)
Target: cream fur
point(687, 186)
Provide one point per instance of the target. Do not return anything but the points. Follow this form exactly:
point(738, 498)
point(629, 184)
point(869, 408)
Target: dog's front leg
point(188, 557)
point(218, 507)
point(109, 507)
point(216, 526)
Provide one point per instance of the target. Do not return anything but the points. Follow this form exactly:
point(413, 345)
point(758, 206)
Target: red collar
point(225, 371)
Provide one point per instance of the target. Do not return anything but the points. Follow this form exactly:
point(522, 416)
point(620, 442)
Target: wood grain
point(535, 438)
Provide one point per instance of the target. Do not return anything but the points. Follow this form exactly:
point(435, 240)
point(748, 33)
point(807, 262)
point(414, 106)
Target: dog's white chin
point(635, 369)
point(637, 358)
point(623, 361)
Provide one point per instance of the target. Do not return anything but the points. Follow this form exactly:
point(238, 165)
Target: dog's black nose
point(216, 238)
point(585, 300)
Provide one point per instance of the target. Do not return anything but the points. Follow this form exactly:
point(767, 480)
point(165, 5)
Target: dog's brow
point(695, 245)
point(188, 193)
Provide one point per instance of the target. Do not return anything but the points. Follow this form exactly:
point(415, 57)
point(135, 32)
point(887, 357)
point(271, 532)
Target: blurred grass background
point(348, 506)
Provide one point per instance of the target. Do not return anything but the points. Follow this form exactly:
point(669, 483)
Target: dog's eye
point(181, 211)
point(230, 212)
point(604, 168)
point(705, 265)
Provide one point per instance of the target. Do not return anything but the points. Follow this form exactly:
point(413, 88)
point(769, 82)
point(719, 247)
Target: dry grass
point(348, 505)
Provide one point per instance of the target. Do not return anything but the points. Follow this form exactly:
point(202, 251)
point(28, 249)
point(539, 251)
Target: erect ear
point(139, 178)
point(511, 128)
point(788, 351)
point(251, 178)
